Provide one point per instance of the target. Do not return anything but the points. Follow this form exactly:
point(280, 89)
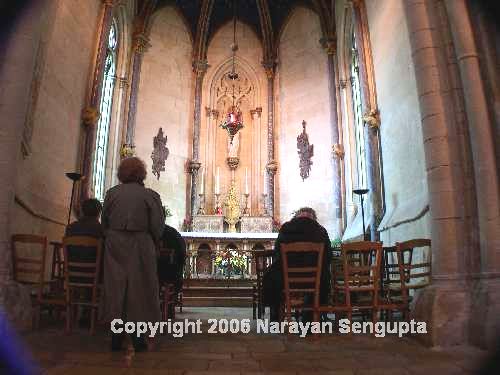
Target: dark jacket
point(301, 229)
point(170, 268)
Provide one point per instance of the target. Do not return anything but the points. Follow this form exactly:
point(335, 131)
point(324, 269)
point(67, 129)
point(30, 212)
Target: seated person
point(171, 267)
point(87, 225)
point(302, 228)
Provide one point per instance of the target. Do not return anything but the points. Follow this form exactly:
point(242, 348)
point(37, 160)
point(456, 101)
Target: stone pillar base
point(445, 307)
point(15, 302)
point(484, 328)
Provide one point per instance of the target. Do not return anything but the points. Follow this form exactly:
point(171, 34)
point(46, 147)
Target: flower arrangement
point(230, 262)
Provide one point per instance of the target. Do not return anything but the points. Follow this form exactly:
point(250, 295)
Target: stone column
point(140, 45)
point(486, 292)
point(272, 164)
point(371, 120)
point(20, 42)
point(445, 304)
point(337, 149)
point(200, 68)
point(90, 114)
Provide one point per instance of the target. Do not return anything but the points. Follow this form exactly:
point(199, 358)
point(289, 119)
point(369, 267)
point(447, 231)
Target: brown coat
point(133, 220)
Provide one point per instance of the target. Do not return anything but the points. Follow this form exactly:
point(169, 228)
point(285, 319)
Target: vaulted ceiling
point(266, 17)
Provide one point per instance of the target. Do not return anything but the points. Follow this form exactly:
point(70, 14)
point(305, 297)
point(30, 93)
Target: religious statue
point(233, 146)
point(232, 212)
point(160, 153)
point(305, 151)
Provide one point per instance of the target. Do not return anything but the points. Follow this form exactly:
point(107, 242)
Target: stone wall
point(302, 94)
point(165, 100)
point(402, 145)
point(59, 87)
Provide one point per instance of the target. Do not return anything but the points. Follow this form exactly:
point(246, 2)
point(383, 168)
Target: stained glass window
point(102, 135)
point(358, 115)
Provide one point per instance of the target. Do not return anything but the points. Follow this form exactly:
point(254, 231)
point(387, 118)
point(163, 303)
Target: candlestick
point(246, 210)
point(217, 177)
point(218, 209)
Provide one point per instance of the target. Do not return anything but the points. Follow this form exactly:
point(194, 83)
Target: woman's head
point(132, 170)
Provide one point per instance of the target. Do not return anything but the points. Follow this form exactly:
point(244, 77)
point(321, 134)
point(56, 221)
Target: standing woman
point(133, 221)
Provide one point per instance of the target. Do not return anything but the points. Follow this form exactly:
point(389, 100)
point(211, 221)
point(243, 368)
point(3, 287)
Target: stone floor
point(253, 353)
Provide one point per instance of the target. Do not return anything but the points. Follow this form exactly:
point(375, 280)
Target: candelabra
point(218, 209)
point(73, 176)
point(264, 205)
point(246, 209)
point(362, 192)
point(201, 208)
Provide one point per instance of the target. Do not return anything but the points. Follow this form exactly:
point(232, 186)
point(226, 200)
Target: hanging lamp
point(233, 121)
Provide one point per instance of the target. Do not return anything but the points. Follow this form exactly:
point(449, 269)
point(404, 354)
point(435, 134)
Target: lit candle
point(246, 181)
point(217, 186)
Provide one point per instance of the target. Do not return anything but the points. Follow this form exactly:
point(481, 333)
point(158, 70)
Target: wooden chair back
point(415, 263)
point(361, 268)
point(29, 269)
point(299, 280)
point(81, 274)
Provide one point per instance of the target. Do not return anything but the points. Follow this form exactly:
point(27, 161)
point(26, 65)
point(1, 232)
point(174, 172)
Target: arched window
point(102, 134)
point(358, 114)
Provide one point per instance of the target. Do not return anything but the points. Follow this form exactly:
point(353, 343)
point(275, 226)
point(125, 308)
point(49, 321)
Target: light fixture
point(233, 122)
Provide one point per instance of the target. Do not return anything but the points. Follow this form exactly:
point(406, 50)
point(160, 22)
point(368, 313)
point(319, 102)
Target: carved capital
point(90, 116)
point(123, 82)
point(338, 151)
point(343, 83)
point(272, 167)
point(193, 166)
point(329, 45)
point(111, 3)
point(208, 111)
point(257, 111)
point(127, 150)
point(372, 118)
point(140, 43)
point(200, 67)
point(215, 113)
point(269, 67)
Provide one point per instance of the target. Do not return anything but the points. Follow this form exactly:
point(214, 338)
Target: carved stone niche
point(208, 223)
point(256, 224)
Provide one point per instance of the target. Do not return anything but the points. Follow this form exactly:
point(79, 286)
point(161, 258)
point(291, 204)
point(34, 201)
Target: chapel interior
point(381, 115)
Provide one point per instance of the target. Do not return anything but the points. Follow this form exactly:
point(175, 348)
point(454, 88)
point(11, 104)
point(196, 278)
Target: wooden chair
point(408, 267)
point(81, 278)
point(29, 269)
point(263, 259)
point(299, 281)
point(169, 299)
point(357, 289)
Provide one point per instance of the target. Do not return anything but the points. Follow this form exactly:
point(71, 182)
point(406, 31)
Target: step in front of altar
point(218, 293)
